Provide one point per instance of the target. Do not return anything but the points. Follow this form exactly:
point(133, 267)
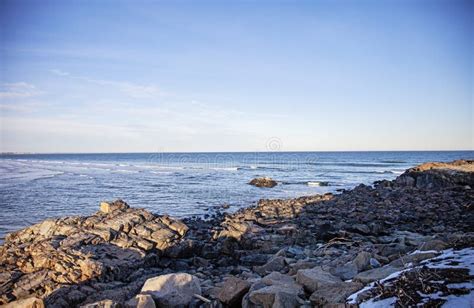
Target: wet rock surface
point(278, 253)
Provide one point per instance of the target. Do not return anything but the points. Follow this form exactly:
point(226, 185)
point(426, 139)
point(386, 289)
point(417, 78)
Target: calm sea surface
point(37, 186)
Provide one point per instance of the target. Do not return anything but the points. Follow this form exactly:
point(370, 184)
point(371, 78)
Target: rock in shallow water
point(263, 182)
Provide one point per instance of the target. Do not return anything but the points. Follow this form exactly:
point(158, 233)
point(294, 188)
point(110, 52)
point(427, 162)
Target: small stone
point(362, 261)
point(374, 263)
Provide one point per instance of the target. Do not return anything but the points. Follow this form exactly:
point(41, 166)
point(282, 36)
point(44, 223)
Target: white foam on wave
point(225, 168)
point(317, 183)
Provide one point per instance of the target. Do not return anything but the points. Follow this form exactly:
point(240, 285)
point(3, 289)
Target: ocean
point(34, 187)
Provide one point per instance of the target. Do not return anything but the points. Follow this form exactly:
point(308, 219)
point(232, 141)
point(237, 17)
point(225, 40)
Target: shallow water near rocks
point(34, 187)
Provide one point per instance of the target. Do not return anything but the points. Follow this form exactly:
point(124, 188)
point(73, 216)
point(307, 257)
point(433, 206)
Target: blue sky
point(135, 76)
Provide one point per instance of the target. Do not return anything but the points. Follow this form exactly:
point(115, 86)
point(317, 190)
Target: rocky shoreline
point(322, 250)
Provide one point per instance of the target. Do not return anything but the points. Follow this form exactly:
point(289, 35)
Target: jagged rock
point(263, 182)
point(237, 230)
point(437, 175)
point(109, 207)
point(334, 293)
point(74, 250)
point(172, 290)
point(273, 290)
point(313, 279)
point(233, 290)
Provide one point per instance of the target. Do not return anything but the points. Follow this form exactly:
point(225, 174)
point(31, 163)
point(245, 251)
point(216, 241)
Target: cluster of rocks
point(309, 251)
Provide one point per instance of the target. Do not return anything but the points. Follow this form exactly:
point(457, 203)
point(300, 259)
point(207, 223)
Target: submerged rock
point(263, 182)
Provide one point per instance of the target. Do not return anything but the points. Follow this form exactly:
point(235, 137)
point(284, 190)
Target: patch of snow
point(387, 302)
point(459, 301)
point(466, 285)
point(423, 251)
point(449, 258)
point(352, 299)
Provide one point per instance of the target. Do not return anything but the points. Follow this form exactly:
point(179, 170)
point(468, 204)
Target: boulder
point(233, 290)
point(263, 182)
point(345, 272)
point(273, 290)
point(313, 279)
point(334, 293)
point(275, 264)
point(172, 290)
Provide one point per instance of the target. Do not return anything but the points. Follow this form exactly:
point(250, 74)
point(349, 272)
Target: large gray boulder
point(314, 278)
point(172, 290)
point(274, 290)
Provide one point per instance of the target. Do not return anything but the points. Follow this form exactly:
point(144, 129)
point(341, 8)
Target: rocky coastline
point(395, 241)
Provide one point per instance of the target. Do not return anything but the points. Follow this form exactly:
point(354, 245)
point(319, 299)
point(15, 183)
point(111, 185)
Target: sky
point(149, 76)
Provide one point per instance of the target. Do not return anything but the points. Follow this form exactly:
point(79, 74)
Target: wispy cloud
point(130, 89)
point(59, 72)
point(18, 90)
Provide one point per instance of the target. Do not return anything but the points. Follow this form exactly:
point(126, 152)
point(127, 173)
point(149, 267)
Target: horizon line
point(217, 152)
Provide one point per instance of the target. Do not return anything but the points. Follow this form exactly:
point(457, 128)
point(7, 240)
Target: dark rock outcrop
point(263, 182)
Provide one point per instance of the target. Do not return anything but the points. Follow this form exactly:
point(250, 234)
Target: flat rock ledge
point(310, 251)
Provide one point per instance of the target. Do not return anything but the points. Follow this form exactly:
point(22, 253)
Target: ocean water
point(34, 187)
